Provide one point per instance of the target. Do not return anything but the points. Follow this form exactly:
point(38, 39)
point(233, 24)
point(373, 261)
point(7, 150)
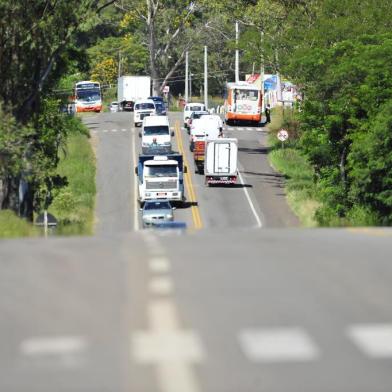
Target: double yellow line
point(197, 223)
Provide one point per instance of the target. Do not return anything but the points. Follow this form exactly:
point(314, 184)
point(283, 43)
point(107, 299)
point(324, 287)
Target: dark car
point(156, 99)
point(160, 108)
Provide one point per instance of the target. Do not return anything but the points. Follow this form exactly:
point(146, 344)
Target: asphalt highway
point(249, 310)
point(242, 301)
point(258, 199)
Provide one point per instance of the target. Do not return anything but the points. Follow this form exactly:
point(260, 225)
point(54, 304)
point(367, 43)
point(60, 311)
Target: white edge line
point(252, 207)
point(135, 201)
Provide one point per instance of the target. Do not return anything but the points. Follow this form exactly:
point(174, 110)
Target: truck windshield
point(250, 95)
point(156, 130)
point(161, 171)
point(143, 106)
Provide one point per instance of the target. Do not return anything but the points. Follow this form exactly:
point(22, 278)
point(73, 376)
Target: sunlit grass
point(12, 226)
point(73, 206)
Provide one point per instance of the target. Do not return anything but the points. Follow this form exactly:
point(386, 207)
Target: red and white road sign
point(283, 135)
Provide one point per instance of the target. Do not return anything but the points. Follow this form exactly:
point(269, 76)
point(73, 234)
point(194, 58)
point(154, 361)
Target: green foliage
point(12, 226)
point(300, 187)
point(73, 205)
point(14, 139)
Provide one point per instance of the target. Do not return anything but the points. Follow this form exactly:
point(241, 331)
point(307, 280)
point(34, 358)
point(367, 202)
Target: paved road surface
point(258, 200)
point(216, 310)
point(225, 309)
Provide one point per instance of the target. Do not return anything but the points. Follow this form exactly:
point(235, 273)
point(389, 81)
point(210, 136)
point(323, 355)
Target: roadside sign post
point(283, 135)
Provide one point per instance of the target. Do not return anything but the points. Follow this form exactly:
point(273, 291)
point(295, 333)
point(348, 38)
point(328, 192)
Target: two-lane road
point(257, 200)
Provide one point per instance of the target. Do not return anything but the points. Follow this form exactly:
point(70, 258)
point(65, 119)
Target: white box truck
point(220, 165)
point(131, 89)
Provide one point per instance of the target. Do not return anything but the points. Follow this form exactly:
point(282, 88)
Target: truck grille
point(161, 185)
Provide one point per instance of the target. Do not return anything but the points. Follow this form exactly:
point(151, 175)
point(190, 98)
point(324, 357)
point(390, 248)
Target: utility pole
point(186, 77)
point(237, 55)
point(190, 85)
point(278, 81)
point(262, 72)
point(119, 63)
point(205, 78)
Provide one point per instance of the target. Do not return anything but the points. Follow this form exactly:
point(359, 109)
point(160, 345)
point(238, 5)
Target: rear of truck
point(220, 166)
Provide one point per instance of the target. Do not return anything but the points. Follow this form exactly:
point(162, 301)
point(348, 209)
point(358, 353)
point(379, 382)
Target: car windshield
point(156, 130)
point(156, 99)
point(157, 205)
point(198, 115)
point(145, 105)
point(161, 171)
point(159, 106)
point(195, 108)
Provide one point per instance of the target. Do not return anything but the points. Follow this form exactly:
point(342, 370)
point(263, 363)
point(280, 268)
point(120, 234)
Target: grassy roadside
point(300, 188)
point(73, 205)
point(11, 226)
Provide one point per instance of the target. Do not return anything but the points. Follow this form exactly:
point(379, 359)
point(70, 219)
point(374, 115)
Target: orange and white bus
point(88, 97)
point(243, 103)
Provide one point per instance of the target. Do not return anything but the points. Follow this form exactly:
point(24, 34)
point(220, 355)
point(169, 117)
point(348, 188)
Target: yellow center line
point(197, 223)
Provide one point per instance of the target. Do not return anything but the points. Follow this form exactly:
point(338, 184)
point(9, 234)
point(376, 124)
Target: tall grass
point(300, 186)
point(12, 226)
point(73, 205)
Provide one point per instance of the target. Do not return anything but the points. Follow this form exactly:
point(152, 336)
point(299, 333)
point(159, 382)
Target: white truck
point(220, 166)
point(131, 89)
point(161, 177)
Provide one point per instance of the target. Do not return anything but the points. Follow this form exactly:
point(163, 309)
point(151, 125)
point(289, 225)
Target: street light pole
point(205, 78)
point(186, 77)
point(262, 73)
point(237, 55)
point(190, 85)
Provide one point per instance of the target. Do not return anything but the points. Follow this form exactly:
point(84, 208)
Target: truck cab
point(161, 177)
point(156, 136)
point(142, 109)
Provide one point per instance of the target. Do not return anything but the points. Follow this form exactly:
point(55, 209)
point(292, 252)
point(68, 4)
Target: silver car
point(113, 107)
point(156, 211)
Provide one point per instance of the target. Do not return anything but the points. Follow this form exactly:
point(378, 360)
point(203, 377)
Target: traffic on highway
point(196, 196)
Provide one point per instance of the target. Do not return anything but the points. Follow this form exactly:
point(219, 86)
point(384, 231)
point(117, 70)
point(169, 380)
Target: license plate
point(161, 194)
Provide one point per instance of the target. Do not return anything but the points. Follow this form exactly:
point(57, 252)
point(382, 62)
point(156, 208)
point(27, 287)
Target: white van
point(206, 127)
point(192, 107)
point(156, 136)
point(143, 108)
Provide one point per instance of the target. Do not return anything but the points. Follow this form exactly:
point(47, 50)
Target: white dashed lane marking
point(159, 265)
point(374, 340)
point(169, 348)
point(52, 346)
point(278, 345)
point(161, 285)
